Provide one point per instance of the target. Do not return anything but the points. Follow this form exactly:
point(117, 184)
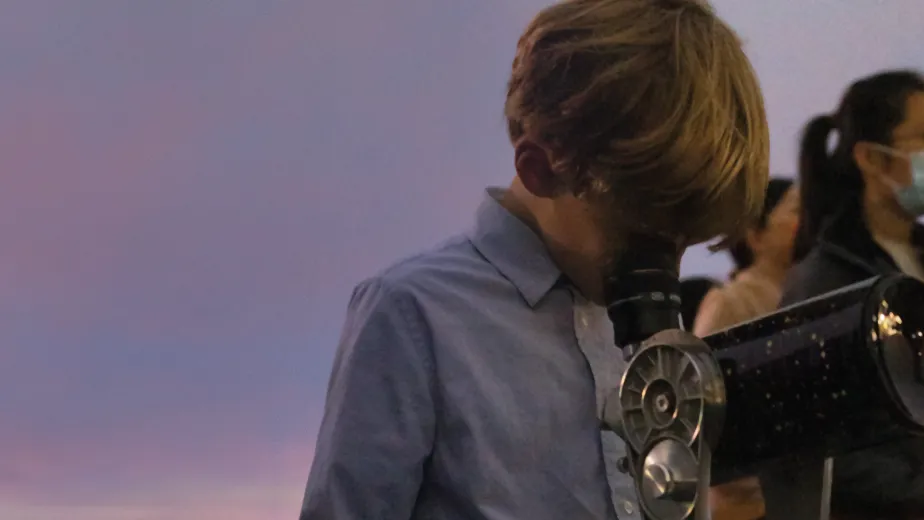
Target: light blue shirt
point(468, 385)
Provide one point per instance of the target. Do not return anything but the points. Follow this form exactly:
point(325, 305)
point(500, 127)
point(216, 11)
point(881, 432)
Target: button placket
point(593, 332)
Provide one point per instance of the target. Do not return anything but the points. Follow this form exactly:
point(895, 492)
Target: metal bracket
point(669, 409)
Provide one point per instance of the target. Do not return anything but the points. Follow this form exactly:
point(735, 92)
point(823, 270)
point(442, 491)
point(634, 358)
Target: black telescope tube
point(823, 378)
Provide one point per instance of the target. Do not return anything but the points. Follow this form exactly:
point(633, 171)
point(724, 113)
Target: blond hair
point(650, 102)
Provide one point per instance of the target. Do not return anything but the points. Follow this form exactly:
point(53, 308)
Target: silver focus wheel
point(662, 394)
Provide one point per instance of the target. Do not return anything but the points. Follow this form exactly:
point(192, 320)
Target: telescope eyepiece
point(643, 291)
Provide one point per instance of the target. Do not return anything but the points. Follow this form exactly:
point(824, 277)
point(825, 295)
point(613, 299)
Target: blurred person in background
point(860, 203)
point(762, 259)
point(692, 292)
point(469, 379)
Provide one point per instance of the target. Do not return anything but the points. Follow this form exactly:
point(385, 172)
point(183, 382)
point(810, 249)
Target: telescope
point(778, 397)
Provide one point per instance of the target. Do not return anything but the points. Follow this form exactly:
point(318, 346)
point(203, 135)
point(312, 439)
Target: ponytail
point(817, 179)
point(831, 183)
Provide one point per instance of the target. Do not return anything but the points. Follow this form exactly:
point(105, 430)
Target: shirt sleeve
point(714, 314)
point(378, 425)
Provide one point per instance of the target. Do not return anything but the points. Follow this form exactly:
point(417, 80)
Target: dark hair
point(740, 251)
point(692, 292)
point(869, 111)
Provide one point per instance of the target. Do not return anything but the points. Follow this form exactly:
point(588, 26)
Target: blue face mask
point(910, 197)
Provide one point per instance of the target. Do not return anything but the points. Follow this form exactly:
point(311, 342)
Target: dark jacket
point(886, 481)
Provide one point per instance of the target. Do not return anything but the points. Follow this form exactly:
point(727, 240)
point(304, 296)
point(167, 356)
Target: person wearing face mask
point(761, 259)
point(860, 203)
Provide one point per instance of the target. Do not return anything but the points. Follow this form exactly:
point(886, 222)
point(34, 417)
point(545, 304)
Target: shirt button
point(628, 507)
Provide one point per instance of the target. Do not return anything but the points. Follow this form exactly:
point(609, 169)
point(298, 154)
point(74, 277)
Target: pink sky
point(191, 189)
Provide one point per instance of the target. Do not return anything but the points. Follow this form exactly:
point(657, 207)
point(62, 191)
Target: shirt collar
point(513, 248)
